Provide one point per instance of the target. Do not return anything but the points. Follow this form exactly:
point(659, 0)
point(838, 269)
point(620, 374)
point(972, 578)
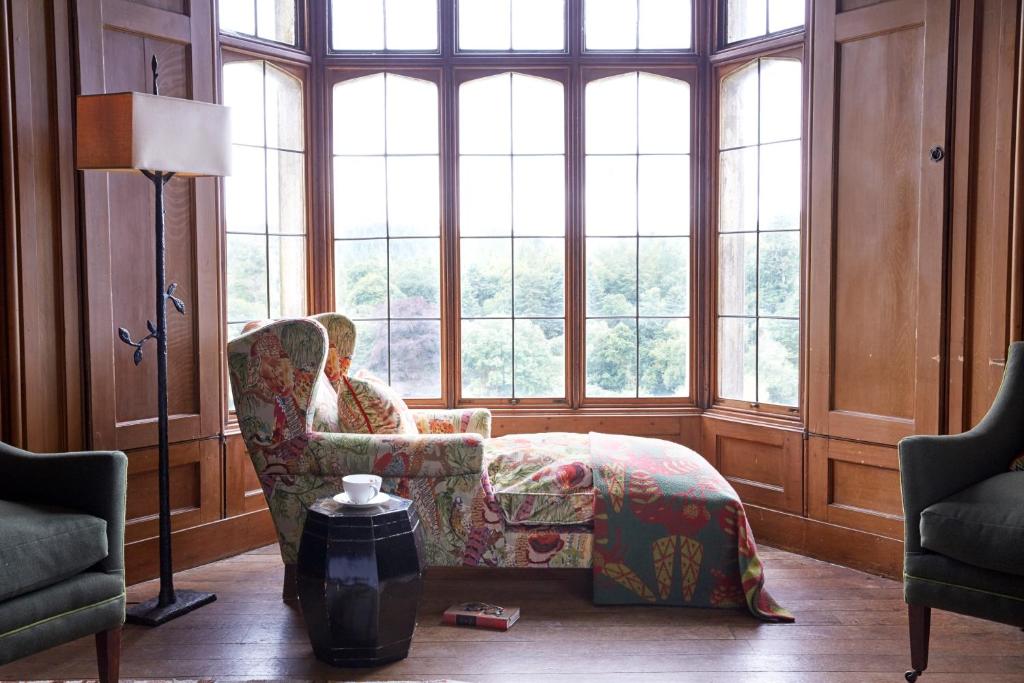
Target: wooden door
point(116, 40)
point(878, 216)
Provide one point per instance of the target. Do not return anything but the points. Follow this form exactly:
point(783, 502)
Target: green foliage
point(612, 345)
point(246, 277)
point(611, 358)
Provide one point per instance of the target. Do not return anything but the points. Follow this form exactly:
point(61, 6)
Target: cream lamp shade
point(132, 131)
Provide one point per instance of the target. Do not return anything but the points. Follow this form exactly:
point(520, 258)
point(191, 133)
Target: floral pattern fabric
point(341, 344)
point(453, 421)
point(670, 530)
point(542, 479)
point(287, 411)
point(367, 405)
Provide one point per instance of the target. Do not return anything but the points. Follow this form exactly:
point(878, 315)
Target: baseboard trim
point(828, 542)
point(200, 544)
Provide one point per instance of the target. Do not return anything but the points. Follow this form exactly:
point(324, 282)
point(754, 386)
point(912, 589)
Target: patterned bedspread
point(670, 530)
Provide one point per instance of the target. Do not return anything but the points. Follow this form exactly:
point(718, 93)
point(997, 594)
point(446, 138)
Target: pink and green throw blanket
point(669, 530)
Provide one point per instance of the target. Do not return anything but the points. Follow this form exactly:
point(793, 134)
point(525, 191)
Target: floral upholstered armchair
point(285, 379)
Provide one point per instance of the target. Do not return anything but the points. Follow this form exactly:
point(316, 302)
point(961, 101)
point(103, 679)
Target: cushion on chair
point(542, 479)
point(983, 525)
point(41, 545)
point(366, 405)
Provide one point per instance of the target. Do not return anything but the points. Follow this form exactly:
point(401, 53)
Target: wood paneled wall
point(913, 273)
point(41, 404)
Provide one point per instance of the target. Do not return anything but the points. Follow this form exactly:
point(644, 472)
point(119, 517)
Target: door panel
point(878, 220)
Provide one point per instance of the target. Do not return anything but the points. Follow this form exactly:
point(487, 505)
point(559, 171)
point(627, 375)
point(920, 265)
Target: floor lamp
point(161, 137)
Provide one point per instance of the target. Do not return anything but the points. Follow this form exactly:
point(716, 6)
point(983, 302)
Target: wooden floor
point(851, 627)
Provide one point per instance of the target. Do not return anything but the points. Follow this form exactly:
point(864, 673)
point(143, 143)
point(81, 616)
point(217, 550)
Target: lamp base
point(149, 613)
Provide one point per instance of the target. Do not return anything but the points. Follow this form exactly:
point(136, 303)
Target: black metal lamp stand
point(170, 603)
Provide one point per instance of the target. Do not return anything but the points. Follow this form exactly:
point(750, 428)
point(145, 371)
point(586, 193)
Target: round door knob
point(937, 154)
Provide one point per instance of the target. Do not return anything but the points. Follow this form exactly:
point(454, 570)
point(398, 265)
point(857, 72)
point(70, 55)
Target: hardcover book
point(481, 615)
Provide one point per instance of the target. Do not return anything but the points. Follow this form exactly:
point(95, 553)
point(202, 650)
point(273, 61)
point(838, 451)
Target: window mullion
point(450, 280)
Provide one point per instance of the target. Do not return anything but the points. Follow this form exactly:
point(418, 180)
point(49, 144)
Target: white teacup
point(361, 488)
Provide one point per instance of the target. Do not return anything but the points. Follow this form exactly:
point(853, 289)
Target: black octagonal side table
point(360, 576)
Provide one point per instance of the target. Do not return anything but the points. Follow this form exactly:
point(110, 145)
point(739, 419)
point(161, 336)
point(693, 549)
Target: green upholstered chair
point(62, 552)
point(965, 518)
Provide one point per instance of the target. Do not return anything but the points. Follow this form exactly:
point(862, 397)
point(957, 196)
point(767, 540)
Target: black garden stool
point(360, 576)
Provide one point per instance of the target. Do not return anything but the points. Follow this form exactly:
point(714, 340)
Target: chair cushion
point(367, 405)
point(42, 545)
point(542, 479)
point(983, 525)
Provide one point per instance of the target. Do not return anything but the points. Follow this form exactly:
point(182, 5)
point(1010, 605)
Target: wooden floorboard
point(851, 628)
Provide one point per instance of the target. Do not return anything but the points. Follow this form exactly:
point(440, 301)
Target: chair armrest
point(94, 483)
point(464, 421)
point(396, 455)
point(933, 468)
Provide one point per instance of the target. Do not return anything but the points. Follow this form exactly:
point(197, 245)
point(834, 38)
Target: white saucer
point(343, 499)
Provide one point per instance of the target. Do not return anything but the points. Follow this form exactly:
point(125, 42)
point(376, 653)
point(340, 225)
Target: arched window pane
point(759, 190)
point(265, 197)
point(512, 236)
point(637, 226)
point(387, 246)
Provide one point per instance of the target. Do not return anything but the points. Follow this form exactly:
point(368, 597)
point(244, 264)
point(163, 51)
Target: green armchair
point(964, 512)
point(62, 552)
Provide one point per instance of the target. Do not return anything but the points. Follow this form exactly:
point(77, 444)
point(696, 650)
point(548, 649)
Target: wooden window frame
point(726, 64)
point(569, 67)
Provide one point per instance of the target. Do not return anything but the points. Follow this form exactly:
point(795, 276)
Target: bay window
point(535, 203)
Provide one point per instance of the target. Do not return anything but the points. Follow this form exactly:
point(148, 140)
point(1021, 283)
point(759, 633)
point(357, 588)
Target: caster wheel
point(911, 676)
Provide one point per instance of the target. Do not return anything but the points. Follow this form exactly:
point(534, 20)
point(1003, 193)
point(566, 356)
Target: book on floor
point(481, 615)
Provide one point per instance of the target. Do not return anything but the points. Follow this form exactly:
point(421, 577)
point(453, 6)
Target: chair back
point(341, 338)
point(275, 370)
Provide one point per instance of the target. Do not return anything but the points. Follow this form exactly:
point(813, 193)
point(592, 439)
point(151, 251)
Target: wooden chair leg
point(108, 655)
point(920, 630)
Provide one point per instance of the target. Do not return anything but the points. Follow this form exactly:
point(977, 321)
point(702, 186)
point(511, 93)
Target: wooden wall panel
point(980, 271)
point(877, 220)
point(763, 463)
point(195, 488)
point(242, 490)
point(875, 248)
point(42, 371)
point(855, 485)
